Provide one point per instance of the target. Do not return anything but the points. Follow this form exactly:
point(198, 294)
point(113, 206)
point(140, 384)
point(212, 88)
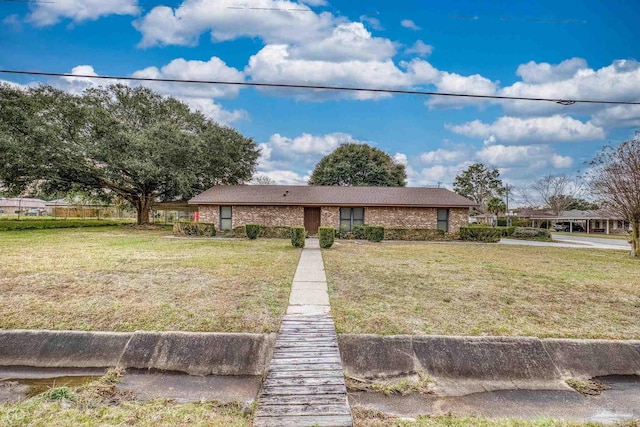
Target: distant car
point(566, 226)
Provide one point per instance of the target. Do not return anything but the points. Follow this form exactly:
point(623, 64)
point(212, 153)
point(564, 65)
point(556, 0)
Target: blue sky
point(558, 49)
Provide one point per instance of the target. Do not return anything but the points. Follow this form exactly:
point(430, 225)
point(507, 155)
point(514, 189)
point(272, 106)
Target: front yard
point(122, 279)
point(482, 289)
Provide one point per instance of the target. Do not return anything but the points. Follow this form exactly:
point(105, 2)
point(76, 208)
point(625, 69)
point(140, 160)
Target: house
point(21, 206)
point(593, 221)
point(229, 206)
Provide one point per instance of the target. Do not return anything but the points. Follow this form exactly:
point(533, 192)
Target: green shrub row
point(326, 236)
point(530, 233)
point(506, 231)
point(11, 225)
point(398, 233)
point(190, 228)
point(480, 234)
point(298, 234)
point(252, 230)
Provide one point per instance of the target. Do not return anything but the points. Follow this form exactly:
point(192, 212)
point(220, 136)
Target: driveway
point(579, 242)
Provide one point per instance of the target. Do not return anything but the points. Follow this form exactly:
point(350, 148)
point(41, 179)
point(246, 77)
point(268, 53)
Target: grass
point(586, 387)
point(364, 417)
point(422, 384)
point(624, 237)
point(123, 279)
point(102, 403)
point(483, 289)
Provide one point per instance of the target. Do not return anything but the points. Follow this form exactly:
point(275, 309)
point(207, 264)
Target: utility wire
point(561, 101)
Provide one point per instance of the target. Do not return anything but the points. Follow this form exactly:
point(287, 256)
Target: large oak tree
point(354, 164)
point(115, 141)
point(479, 184)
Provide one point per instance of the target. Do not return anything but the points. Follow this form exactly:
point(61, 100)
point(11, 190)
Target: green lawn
point(122, 279)
point(483, 289)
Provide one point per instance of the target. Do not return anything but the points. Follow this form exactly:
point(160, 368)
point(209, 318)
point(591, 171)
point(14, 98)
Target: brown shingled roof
point(303, 195)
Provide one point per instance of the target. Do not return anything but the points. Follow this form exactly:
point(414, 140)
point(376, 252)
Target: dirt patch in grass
point(102, 403)
point(123, 279)
point(419, 383)
point(482, 289)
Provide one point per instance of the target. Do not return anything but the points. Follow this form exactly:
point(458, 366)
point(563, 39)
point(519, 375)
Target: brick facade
point(330, 216)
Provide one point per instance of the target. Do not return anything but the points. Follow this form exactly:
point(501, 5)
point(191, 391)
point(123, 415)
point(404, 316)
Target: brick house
point(229, 206)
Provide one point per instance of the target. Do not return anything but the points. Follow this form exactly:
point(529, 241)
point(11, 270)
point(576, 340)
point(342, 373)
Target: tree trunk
point(143, 204)
point(635, 238)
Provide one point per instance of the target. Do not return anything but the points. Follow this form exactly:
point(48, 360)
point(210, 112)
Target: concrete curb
point(189, 352)
point(467, 364)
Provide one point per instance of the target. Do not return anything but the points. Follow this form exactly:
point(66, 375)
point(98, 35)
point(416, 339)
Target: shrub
point(189, 228)
point(401, 233)
point(42, 224)
point(326, 235)
point(506, 231)
point(375, 233)
point(342, 232)
point(480, 234)
point(529, 233)
point(276, 232)
point(360, 231)
point(252, 231)
point(297, 236)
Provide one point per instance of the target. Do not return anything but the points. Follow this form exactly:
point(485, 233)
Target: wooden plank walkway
point(305, 383)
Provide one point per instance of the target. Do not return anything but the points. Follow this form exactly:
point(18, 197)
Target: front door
point(312, 220)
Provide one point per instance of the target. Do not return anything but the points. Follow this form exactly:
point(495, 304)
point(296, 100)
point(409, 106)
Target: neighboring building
point(594, 221)
point(229, 206)
point(22, 206)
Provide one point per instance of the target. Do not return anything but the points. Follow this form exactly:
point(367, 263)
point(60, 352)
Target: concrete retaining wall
point(192, 353)
point(467, 364)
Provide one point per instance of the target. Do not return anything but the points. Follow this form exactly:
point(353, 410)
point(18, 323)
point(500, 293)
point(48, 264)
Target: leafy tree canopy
point(115, 141)
point(496, 205)
point(615, 179)
point(479, 184)
point(354, 164)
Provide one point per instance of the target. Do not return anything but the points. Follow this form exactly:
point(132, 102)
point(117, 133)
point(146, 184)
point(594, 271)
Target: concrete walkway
point(305, 384)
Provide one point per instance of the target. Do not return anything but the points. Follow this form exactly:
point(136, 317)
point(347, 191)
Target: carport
point(593, 221)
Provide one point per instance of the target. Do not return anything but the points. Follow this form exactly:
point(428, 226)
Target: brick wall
point(330, 216)
point(270, 216)
point(414, 217)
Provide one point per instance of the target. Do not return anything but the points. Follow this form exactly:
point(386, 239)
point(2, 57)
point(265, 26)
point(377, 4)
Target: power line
point(561, 101)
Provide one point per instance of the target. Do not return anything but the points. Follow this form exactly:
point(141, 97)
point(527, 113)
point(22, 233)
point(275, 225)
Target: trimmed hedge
point(189, 228)
point(506, 231)
point(298, 234)
point(480, 234)
point(530, 233)
point(360, 231)
point(252, 231)
point(375, 233)
point(327, 236)
point(278, 232)
point(43, 224)
point(398, 233)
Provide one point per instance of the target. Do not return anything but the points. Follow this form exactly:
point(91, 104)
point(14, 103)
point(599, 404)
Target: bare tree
point(615, 180)
point(556, 192)
point(263, 180)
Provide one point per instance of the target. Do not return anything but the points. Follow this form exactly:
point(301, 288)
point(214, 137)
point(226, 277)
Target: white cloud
point(618, 116)
point(408, 23)
point(299, 154)
point(524, 156)
point(456, 83)
point(347, 42)
point(573, 80)
point(401, 158)
point(420, 48)
point(49, 13)
point(442, 155)
point(543, 72)
point(213, 69)
point(538, 130)
point(286, 177)
point(214, 111)
point(372, 22)
point(230, 20)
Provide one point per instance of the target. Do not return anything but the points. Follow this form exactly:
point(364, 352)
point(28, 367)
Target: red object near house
point(196, 216)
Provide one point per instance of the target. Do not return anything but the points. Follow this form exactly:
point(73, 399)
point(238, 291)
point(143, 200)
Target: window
point(350, 217)
point(225, 217)
point(443, 220)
